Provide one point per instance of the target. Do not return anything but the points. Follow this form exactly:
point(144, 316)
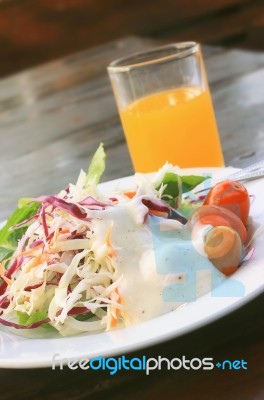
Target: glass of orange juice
point(165, 107)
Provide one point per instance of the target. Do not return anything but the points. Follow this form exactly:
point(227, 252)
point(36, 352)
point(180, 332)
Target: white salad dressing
point(136, 256)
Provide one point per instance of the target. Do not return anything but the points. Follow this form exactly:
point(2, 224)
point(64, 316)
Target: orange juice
point(177, 126)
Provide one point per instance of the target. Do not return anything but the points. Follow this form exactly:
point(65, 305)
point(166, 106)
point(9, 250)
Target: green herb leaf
point(176, 185)
point(10, 237)
point(189, 182)
point(97, 167)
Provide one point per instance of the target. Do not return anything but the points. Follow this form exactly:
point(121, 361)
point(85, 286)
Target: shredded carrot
point(25, 253)
point(115, 295)
point(29, 252)
point(7, 280)
point(130, 194)
point(64, 230)
point(113, 322)
point(158, 213)
point(2, 269)
point(111, 251)
point(35, 262)
point(2, 273)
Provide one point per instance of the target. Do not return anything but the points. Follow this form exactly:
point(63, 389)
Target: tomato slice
point(223, 246)
point(218, 216)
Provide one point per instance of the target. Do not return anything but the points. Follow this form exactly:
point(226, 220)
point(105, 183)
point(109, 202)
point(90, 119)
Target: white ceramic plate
point(24, 352)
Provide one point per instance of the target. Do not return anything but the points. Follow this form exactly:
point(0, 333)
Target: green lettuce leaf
point(189, 182)
point(176, 185)
point(96, 168)
point(25, 319)
point(172, 190)
point(25, 201)
point(84, 317)
point(10, 237)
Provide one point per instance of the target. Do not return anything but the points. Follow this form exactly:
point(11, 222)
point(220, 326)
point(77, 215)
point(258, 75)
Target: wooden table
point(51, 121)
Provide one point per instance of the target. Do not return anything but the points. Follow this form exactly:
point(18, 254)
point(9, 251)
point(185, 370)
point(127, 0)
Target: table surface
point(51, 121)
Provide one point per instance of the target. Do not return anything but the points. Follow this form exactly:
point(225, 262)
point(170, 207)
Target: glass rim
point(148, 57)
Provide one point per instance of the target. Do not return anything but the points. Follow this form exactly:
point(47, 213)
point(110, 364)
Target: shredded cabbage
point(65, 271)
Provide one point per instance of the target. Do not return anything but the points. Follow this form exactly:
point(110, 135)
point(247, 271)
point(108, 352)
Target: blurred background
point(36, 31)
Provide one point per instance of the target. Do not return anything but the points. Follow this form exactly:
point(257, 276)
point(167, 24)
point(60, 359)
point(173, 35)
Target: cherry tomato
point(232, 196)
point(217, 216)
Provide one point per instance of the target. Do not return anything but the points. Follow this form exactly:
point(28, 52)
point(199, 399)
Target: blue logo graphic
point(178, 254)
point(232, 365)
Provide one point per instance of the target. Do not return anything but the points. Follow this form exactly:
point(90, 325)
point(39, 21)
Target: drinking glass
point(165, 107)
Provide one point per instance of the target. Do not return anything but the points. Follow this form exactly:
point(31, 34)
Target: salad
point(84, 260)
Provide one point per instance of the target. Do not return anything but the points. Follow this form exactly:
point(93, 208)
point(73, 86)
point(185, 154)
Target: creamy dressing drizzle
point(149, 256)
